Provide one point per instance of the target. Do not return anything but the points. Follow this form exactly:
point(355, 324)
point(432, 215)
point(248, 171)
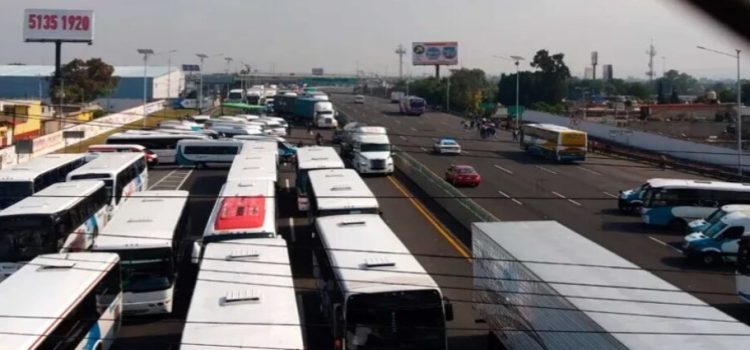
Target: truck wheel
point(710, 258)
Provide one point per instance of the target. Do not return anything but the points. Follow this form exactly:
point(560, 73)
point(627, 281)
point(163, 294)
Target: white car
point(360, 99)
point(446, 146)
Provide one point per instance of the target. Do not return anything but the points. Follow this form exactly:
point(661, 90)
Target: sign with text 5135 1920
point(45, 25)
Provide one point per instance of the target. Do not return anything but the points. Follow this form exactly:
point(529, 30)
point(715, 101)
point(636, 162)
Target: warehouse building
point(32, 82)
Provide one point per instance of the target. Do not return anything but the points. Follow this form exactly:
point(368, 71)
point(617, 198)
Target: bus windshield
point(715, 229)
point(375, 147)
point(715, 216)
point(398, 320)
point(146, 270)
point(23, 237)
point(12, 192)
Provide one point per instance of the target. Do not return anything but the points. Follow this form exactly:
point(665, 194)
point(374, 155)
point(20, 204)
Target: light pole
point(145, 53)
point(202, 57)
point(229, 65)
point(516, 60)
point(739, 103)
point(169, 73)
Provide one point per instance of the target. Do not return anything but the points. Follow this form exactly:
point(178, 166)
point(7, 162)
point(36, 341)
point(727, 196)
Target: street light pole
point(169, 73)
point(145, 53)
point(739, 103)
point(202, 57)
point(518, 89)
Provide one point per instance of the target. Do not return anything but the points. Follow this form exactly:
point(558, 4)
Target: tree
point(469, 87)
point(85, 81)
point(674, 97)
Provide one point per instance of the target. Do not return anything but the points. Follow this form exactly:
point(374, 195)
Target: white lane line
point(664, 244)
point(397, 121)
point(444, 123)
point(413, 129)
point(503, 169)
point(547, 170)
point(291, 230)
point(162, 179)
point(423, 149)
point(589, 171)
point(184, 179)
point(610, 195)
point(574, 202)
point(464, 152)
point(509, 197)
point(559, 195)
point(403, 137)
point(568, 199)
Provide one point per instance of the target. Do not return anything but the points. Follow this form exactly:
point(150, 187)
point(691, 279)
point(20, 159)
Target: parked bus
point(387, 296)
point(338, 192)
point(62, 301)
point(244, 209)
point(146, 233)
point(22, 180)
point(258, 166)
point(244, 298)
point(163, 143)
point(313, 158)
point(554, 142)
point(412, 105)
point(631, 200)
point(152, 159)
point(123, 174)
point(673, 203)
point(66, 216)
point(204, 153)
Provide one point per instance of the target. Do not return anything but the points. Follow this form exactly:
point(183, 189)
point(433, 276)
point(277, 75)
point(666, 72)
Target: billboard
point(317, 71)
point(43, 25)
point(434, 53)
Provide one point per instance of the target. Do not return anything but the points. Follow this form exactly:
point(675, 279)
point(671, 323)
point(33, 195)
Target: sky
point(342, 35)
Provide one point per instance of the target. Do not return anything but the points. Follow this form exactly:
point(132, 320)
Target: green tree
point(469, 87)
point(674, 97)
point(85, 81)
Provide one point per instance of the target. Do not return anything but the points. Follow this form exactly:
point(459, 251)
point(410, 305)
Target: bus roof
point(699, 184)
point(341, 189)
point(243, 207)
point(42, 292)
point(259, 145)
point(244, 298)
point(107, 163)
point(38, 165)
point(156, 134)
point(316, 157)
point(257, 166)
point(367, 257)
point(554, 127)
point(147, 220)
point(53, 199)
point(631, 303)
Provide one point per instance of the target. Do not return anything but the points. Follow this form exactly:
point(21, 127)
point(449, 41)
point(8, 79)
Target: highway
point(415, 224)
point(516, 186)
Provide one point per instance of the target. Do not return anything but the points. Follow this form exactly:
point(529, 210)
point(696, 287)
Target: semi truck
point(540, 285)
point(319, 112)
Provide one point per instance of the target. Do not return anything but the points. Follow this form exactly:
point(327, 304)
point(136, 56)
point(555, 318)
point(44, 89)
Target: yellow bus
point(555, 142)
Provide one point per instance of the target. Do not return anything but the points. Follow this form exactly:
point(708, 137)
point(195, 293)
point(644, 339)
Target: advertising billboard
point(317, 71)
point(434, 53)
point(44, 25)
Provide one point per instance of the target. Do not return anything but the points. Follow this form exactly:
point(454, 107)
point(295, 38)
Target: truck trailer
point(540, 285)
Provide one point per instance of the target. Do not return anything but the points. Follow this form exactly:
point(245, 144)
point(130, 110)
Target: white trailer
point(539, 285)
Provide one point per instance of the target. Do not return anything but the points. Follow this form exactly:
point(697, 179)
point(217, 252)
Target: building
point(607, 73)
point(32, 82)
point(588, 73)
point(21, 119)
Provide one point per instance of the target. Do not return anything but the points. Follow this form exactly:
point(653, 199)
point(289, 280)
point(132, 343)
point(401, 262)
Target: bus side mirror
point(195, 255)
point(448, 309)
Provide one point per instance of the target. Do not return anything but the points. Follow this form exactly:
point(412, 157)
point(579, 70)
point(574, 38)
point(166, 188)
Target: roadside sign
point(512, 111)
point(46, 25)
point(72, 134)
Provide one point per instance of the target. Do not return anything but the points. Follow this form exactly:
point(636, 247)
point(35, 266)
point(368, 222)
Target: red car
point(462, 175)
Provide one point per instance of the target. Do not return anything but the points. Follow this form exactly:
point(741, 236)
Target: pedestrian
point(515, 135)
point(309, 128)
point(471, 125)
point(663, 162)
point(319, 139)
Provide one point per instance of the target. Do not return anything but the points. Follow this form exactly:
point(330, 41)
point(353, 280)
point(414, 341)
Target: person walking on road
point(309, 127)
point(319, 139)
point(515, 135)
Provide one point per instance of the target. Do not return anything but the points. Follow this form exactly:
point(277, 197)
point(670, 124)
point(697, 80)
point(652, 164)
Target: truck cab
point(719, 242)
point(372, 152)
point(325, 115)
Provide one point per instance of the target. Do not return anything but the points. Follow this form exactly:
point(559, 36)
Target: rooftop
point(120, 71)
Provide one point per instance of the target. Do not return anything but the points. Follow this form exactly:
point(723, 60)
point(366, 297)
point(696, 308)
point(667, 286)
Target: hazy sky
point(296, 35)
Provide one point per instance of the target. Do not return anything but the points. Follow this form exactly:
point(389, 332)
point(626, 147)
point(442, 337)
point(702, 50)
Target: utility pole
point(400, 52)
point(145, 53)
point(202, 57)
point(651, 54)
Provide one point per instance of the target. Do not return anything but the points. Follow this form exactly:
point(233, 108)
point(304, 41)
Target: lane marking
point(559, 195)
point(516, 201)
point(568, 199)
point(509, 197)
point(423, 149)
point(413, 129)
point(185, 179)
point(397, 121)
point(465, 152)
point(574, 202)
point(402, 137)
point(455, 243)
point(589, 171)
point(664, 244)
point(503, 169)
point(162, 179)
point(291, 229)
point(610, 195)
point(547, 170)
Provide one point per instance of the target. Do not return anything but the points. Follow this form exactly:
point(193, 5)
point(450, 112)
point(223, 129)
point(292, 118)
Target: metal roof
point(253, 188)
point(54, 198)
point(341, 189)
point(259, 166)
point(316, 157)
point(120, 71)
point(37, 166)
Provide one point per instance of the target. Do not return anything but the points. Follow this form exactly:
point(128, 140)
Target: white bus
point(244, 298)
point(673, 203)
point(146, 233)
point(164, 144)
point(258, 166)
point(123, 174)
point(313, 158)
point(244, 209)
point(554, 142)
point(338, 192)
point(205, 153)
point(66, 216)
point(62, 301)
point(20, 181)
point(376, 300)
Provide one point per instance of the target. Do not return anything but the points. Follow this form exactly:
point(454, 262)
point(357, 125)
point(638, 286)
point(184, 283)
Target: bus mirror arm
point(448, 306)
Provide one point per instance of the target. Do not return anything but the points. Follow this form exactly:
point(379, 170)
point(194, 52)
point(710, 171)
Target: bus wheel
point(710, 258)
point(678, 225)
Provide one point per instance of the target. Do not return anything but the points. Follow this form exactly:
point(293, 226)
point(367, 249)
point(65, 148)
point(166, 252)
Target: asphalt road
point(516, 186)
